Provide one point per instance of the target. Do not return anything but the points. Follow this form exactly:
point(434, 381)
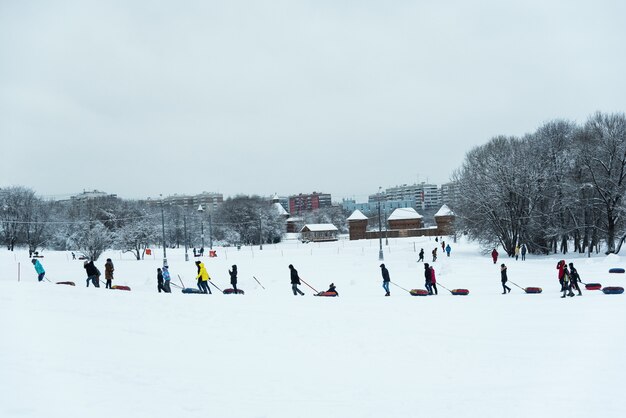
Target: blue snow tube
point(616, 270)
point(613, 290)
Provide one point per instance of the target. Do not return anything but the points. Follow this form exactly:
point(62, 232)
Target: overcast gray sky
point(146, 97)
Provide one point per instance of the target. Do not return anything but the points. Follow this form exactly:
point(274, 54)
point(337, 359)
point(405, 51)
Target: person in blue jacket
point(39, 269)
point(448, 249)
point(166, 280)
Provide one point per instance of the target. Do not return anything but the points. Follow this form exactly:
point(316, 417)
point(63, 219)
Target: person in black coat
point(504, 279)
point(332, 288)
point(93, 274)
point(295, 281)
point(160, 280)
point(386, 279)
point(575, 278)
point(233, 277)
point(421, 254)
point(429, 279)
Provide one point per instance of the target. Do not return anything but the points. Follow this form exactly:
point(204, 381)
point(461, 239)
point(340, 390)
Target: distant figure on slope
point(233, 277)
point(504, 279)
point(201, 251)
point(434, 254)
point(443, 246)
point(108, 272)
point(428, 278)
point(560, 266)
point(93, 273)
point(448, 249)
point(494, 256)
point(159, 280)
point(523, 250)
point(39, 269)
point(574, 278)
point(436, 239)
point(166, 280)
point(567, 288)
point(73, 256)
point(517, 249)
point(433, 280)
point(386, 278)
point(421, 255)
point(203, 278)
point(295, 281)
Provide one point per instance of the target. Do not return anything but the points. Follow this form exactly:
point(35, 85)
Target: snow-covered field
point(85, 352)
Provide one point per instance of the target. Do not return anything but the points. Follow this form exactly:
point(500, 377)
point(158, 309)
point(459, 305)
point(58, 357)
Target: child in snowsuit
point(433, 280)
point(504, 279)
point(421, 255)
point(494, 256)
point(574, 278)
point(386, 278)
point(295, 281)
point(332, 288)
point(166, 280)
point(434, 254)
point(39, 269)
point(233, 277)
point(567, 288)
point(108, 272)
point(448, 249)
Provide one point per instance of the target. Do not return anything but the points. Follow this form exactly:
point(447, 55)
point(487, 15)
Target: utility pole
point(201, 211)
point(185, 229)
point(381, 257)
point(210, 232)
point(260, 233)
point(163, 232)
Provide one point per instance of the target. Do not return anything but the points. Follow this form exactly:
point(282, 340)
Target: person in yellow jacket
point(203, 278)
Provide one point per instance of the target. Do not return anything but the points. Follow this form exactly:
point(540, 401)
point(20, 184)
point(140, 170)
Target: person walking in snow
point(494, 256)
point(434, 254)
point(203, 278)
point(516, 252)
point(421, 255)
point(108, 273)
point(433, 280)
point(233, 277)
point(567, 284)
point(93, 274)
point(39, 269)
point(574, 278)
point(166, 280)
point(523, 251)
point(295, 281)
point(386, 279)
point(443, 246)
point(428, 278)
point(159, 280)
point(448, 249)
point(560, 266)
point(504, 279)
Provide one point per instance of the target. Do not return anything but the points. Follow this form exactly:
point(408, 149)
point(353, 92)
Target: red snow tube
point(460, 292)
point(233, 292)
point(533, 290)
point(67, 283)
point(613, 290)
point(616, 270)
point(120, 287)
point(329, 294)
point(593, 286)
point(418, 292)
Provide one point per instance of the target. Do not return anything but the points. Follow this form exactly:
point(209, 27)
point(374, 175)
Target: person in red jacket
point(494, 256)
point(560, 266)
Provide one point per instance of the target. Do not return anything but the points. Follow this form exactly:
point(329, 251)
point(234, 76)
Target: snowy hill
point(85, 352)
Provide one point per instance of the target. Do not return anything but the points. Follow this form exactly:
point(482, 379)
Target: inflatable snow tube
point(67, 283)
point(460, 292)
point(616, 270)
point(613, 290)
point(233, 292)
point(191, 290)
point(593, 286)
point(327, 294)
point(116, 287)
point(533, 290)
point(418, 292)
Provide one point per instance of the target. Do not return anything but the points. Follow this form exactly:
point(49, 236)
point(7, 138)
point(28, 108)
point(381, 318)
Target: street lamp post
point(163, 232)
point(201, 210)
point(381, 257)
point(210, 232)
point(185, 238)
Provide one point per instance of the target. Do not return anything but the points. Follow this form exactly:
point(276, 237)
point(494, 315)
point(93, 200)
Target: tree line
point(92, 226)
point(558, 189)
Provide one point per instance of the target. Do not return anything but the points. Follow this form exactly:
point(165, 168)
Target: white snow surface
point(404, 213)
point(86, 352)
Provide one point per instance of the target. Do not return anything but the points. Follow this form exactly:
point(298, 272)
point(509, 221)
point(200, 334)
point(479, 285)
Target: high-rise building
point(308, 202)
